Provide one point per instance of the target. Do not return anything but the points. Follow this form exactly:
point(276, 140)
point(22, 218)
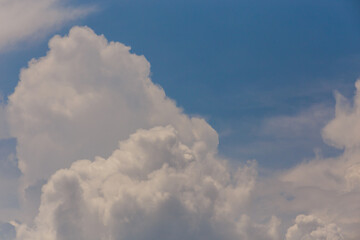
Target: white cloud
point(330, 187)
point(83, 97)
point(344, 130)
point(24, 19)
point(342, 173)
point(311, 228)
point(152, 187)
point(165, 181)
point(77, 102)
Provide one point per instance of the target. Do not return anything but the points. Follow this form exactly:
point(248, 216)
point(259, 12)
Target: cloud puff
point(83, 97)
point(344, 130)
point(330, 187)
point(77, 102)
point(342, 173)
point(311, 228)
point(21, 19)
point(152, 187)
point(164, 180)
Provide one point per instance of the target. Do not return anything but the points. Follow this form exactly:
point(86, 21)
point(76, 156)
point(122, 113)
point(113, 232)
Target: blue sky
point(274, 80)
point(236, 63)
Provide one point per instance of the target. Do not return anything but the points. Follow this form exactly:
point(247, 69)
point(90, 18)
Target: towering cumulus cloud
point(165, 182)
point(85, 96)
point(117, 159)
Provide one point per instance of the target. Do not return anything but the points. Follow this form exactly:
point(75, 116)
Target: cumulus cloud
point(344, 130)
point(333, 183)
point(341, 173)
point(88, 97)
point(82, 98)
point(152, 187)
point(312, 228)
point(77, 102)
point(23, 19)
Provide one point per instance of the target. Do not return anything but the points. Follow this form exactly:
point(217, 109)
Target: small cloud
point(311, 228)
point(21, 20)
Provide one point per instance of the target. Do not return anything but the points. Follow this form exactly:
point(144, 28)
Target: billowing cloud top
point(312, 228)
point(82, 98)
point(165, 182)
point(159, 175)
point(152, 187)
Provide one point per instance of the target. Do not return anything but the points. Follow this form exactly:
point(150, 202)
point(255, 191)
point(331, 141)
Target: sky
point(179, 119)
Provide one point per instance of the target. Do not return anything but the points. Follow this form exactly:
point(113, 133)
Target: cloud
point(344, 130)
point(341, 173)
point(152, 187)
point(164, 181)
point(333, 183)
point(88, 97)
point(24, 19)
point(312, 228)
point(318, 188)
point(326, 190)
point(82, 98)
